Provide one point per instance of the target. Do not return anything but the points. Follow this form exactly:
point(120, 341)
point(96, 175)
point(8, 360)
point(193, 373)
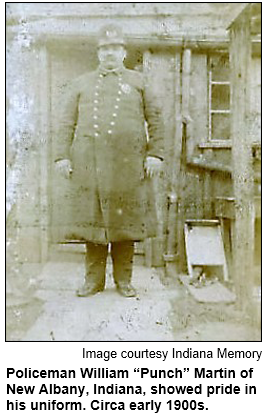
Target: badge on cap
point(111, 33)
point(126, 88)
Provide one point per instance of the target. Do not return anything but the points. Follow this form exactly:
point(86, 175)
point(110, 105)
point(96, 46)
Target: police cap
point(111, 35)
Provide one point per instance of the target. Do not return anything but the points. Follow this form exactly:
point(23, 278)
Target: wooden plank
point(171, 249)
point(43, 75)
point(187, 135)
point(213, 292)
point(159, 72)
point(198, 102)
point(240, 57)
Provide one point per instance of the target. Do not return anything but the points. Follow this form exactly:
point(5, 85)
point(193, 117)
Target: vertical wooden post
point(243, 244)
point(186, 133)
point(171, 256)
point(43, 133)
point(156, 72)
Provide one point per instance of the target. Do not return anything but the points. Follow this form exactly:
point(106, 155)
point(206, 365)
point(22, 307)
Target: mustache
point(110, 56)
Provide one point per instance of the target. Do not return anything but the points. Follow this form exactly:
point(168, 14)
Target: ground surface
point(161, 312)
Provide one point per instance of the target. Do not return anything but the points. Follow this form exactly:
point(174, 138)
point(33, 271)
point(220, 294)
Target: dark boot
point(122, 255)
point(126, 290)
point(95, 262)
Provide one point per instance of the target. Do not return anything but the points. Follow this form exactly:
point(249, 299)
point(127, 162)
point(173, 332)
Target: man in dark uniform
point(104, 152)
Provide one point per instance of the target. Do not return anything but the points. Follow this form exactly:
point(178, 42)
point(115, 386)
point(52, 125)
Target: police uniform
point(102, 132)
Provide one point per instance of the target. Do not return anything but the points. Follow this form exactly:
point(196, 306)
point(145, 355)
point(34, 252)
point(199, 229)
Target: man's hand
point(153, 166)
point(64, 168)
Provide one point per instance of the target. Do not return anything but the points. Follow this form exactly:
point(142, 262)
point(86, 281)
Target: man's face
point(111, 56)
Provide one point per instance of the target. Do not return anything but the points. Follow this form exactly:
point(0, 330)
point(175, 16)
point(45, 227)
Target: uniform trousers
point(122, 257)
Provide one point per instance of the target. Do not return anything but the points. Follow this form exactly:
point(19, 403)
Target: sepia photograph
point(133, 172)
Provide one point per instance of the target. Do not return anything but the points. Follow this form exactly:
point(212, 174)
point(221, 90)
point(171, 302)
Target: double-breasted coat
point(103, 132)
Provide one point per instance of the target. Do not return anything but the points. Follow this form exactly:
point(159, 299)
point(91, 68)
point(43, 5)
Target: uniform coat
point(102, 131)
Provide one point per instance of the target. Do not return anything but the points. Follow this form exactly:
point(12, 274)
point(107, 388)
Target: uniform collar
point(116, 71)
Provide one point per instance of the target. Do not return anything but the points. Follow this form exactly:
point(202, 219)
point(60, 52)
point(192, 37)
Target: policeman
point(103, 151)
